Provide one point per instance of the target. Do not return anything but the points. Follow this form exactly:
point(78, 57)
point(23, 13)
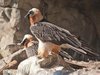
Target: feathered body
point(51, 37)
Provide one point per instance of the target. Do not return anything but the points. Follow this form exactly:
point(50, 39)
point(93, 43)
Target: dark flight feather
point(48, 32)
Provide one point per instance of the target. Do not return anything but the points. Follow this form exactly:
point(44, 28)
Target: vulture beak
point(26, 38)
point(30, 13)
point(23, 41)
point(27, 15)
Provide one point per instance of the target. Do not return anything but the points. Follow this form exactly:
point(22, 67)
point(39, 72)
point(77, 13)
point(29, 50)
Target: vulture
point(52, 38)
point(31, 46)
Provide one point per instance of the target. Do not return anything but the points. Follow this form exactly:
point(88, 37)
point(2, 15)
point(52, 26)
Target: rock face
point(79, 17)
point(30, 67)
point(9, 18)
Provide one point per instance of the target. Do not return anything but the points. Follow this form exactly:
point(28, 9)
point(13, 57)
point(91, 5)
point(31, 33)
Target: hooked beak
point(23, 41)
point(30, 13)
point(27, 15)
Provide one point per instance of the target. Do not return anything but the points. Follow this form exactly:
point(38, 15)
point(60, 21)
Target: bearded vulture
point(52, 38)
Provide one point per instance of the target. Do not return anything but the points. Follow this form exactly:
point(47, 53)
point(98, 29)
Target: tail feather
point(67, 46)
point(88, 50)
point(65, 54)
point(84, 50)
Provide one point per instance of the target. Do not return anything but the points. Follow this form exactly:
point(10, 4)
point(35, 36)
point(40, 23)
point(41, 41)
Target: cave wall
point(80, 17)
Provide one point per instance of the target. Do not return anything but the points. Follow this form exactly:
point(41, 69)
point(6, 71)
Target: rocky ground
point(50, 66)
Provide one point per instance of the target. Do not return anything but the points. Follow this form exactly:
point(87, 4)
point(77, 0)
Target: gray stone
point(31, 66)
point(5, 2)
point(9, 72)
point(78, 72)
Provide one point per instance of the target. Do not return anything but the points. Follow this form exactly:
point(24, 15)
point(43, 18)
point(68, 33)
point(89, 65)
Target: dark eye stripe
point(31, 12)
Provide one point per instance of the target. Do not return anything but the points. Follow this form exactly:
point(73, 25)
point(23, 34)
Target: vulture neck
point(28, 43)
point(35, 19)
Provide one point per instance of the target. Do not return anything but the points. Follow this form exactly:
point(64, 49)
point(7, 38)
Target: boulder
point(9, 72)
point(49, 66)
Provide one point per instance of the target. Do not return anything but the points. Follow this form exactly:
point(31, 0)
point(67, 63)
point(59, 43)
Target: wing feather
point(48, 32)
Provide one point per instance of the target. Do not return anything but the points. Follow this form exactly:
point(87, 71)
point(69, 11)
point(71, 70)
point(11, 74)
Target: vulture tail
point(64, 54)
point(67, 46)
point(88, 50)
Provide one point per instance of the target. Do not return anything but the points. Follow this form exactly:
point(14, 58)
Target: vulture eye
point(31, 12)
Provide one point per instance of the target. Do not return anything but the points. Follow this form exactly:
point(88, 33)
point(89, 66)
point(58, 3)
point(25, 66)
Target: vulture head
point(34, 15)
point(27, 40)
